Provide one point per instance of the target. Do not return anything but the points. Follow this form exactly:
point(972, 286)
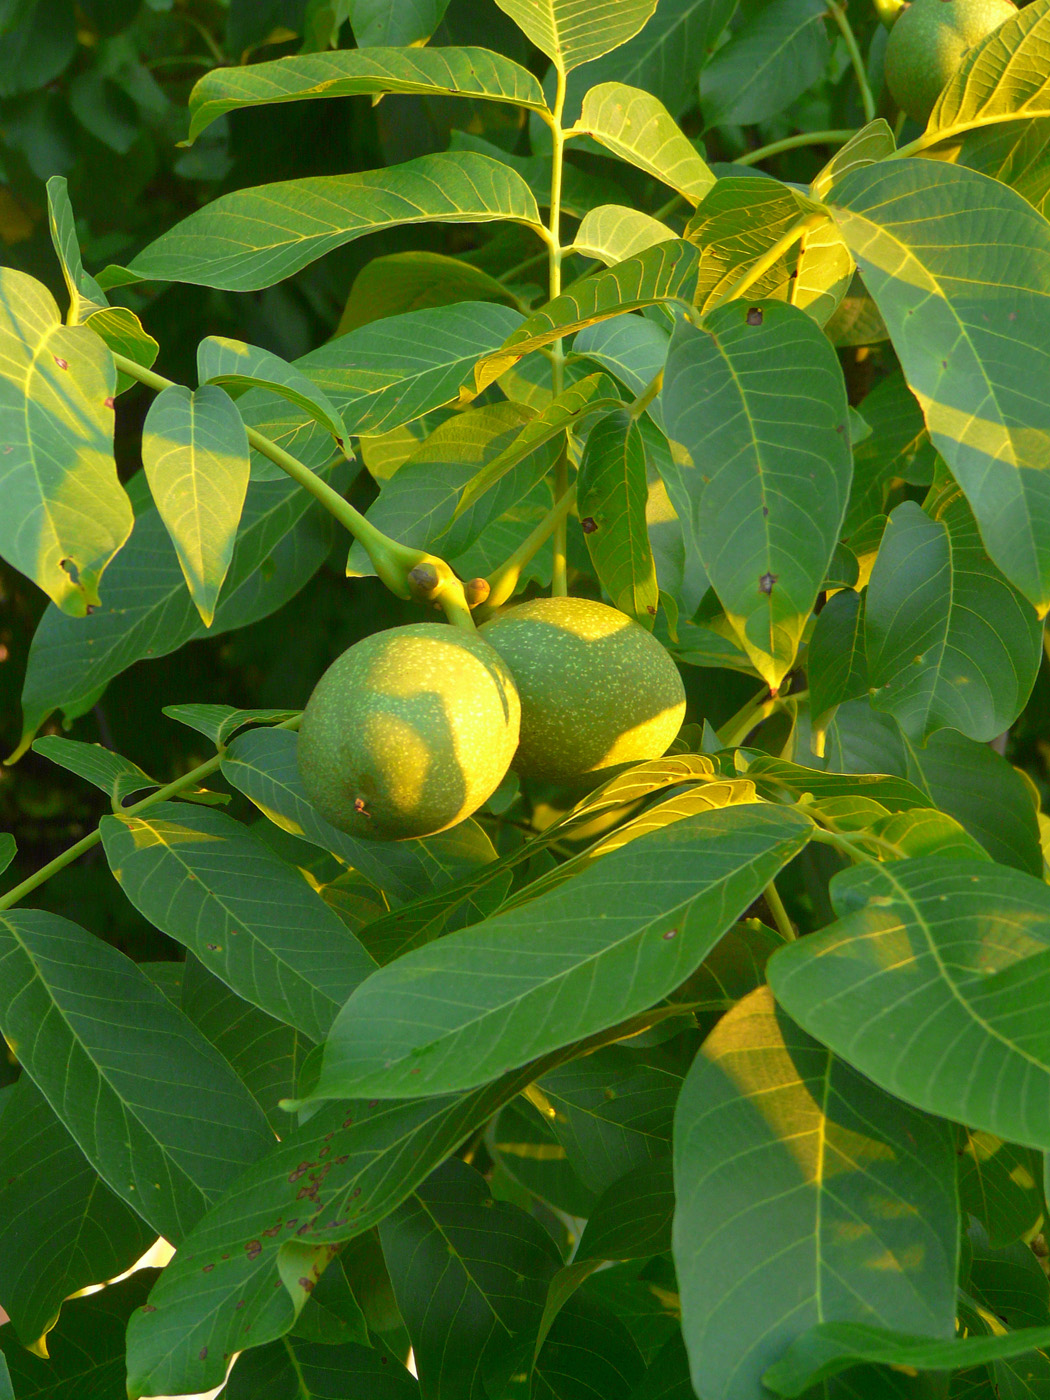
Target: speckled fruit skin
point(928, 43)
point(596, 689)
point(408, 732)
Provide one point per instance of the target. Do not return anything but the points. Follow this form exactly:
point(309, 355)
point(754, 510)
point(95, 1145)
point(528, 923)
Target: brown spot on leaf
point(766, 582)
point(754, 316)
point(62, 364)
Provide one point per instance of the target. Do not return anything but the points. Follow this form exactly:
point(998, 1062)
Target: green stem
point(773, 255)
point(645, 398)
point(559, 575)
point(391, 561)
point(736, 729)
point(791, 143)
point(780, 914)
point(838, 13)
point(504, 581)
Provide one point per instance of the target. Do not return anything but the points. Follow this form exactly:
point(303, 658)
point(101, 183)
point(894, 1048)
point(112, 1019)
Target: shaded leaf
point(303, 1370)
point(837, 664)
point(116, 775)
point(758, 400)
point(611, 494)
point(779, 51)
point(673, 892)
point(950, 644)
point(400, 282)
point(252, 238)
point(61, 1227)
point(195, 454)
point(835, 1346)
point(459, 72)
point(632, 1219)
point(395, 21)
point(168, 1126)
point(952, 1022)
point(897, 447)
point(1001, 1184)
point(220, 722)
point(774, 1133)
point(470, 1274)
point(206, 881)
point(66, 514)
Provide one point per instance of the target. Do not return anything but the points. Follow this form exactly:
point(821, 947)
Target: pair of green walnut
point(411, 730)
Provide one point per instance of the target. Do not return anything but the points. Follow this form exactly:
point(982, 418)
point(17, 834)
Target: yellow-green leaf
point(571, 32)
point(638, 128)
point(612, 233)
point(1005, 77)
point(195, 452)
point(65, 514)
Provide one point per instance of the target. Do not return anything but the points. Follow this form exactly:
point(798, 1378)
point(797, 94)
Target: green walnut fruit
point(408, 732)
point(928, 43)
point(596, 689)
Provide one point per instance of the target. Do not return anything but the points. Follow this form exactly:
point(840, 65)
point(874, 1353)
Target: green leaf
point(571, 32)
point(86, 1349)
point(300, 1370)
point(826, 1350)
point(664, 273)
point(262, 764)
point(156, 1110)
point(632, 1219)
point(470, 1275)
point(329, 1180)
point(951, 1021)
point(220, 722)
point(195, 454)
point(400, 282)
point(252, 238)
point(565, 412)
point(674, 892)
point(588, 1352)
point(926, 832)
point(611, 494)
point(8, 850)
point(417, 506)
point(871, 144)
point(61, 1228)
point(116, 775)
point(66, 514)
point(455, 72)
point(914, 228)
point(265, 1053)
point(611, 233)
point(522, 1142)
point(837, 665)
point(632, 348)
point(775, 1133)
point(1015, 153)
point(735, 224)
point(581, 189)
point(757, 398)
point(663, 58)
point(284, 538)
point(897, 447)
point(250, 918)
point(968, 780)
point(638, 128)
point(233, 365)
point(395, 21)
point(1002, 78)
point(393, 371)
point(611, 1111)
point(777, 53)
point(950, 644)
point(1001, 1185)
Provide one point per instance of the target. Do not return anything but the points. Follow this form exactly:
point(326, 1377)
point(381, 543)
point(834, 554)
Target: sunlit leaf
point(65, 513)
point(915, 228)
point(571, 32)
point(253, 238)
point(469, 72)
point(611, 233)
point(234, 365)
point(638, 128)
point(1002, 78)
